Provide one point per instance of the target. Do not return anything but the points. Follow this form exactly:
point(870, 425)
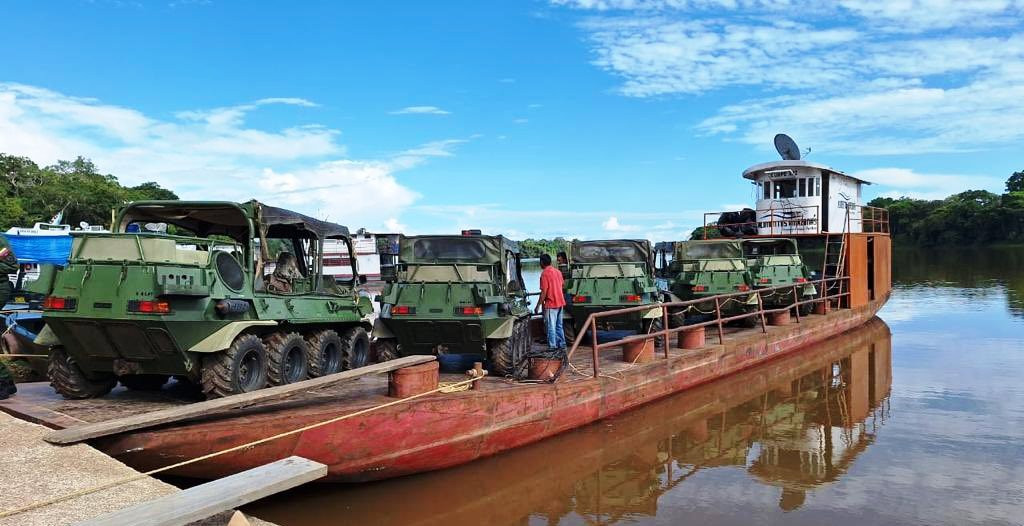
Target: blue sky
point(581, 118)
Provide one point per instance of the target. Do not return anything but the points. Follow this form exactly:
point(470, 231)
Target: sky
point(574, 118)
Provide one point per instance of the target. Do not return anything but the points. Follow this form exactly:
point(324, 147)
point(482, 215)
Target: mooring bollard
point(691, 338)
point(477, 372)
point(413, 380)
point(778, 318)
point(821, 307)
point(638, 352)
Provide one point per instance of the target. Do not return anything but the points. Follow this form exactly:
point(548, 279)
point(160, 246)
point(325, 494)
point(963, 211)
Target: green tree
point(1015, 183)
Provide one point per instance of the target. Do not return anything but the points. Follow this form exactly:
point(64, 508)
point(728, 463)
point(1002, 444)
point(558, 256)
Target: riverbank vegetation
point(30, 193)
point(533, 248)
point(974, 217)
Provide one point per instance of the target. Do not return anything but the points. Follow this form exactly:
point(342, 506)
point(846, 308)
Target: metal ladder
point(834, 265)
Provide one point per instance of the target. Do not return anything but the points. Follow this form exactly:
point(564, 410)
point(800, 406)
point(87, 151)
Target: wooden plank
point(75, 434)
point(221, 495)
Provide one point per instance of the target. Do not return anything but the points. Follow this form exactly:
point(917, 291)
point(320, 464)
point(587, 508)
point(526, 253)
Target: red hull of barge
point(445, 430)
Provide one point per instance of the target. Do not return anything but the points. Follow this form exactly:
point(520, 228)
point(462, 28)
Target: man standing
point(552, 301)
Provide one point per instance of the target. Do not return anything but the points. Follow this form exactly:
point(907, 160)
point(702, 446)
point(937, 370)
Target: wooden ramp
point(215, 497)
point(80, 433)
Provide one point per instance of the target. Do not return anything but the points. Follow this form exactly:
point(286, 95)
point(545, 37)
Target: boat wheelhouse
point(802, 197)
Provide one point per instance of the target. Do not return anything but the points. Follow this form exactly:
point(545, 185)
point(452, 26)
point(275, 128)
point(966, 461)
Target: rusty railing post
point(760, 312)
point(796, 304)
point(664, 329)
point(593, 344)
point(718, 316)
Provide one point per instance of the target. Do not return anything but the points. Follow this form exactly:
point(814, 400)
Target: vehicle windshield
point(451, 249)
point(624, 251)
point(719, 250)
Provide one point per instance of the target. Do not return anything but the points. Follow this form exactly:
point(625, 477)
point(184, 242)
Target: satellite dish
point(787, 147)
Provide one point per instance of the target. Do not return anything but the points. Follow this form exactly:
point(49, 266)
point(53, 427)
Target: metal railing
point(871, 219)
point(590, 325)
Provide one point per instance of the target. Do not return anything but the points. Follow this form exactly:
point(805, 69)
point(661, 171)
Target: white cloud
point(830, 74)
point(420, 110)
point(904, 182)
point(214, 154)
point(612, 224)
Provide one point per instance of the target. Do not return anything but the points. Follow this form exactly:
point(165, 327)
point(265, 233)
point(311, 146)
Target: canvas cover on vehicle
point(209, 218)
point(769, 246)
point(710, 249)
point(485, 250)
point(610, 251)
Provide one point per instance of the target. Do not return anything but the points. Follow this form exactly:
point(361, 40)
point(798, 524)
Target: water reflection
point(792, 425)
point(980, 271)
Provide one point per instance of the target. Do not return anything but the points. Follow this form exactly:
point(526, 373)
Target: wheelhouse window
point(784, 189)
point(767, 190)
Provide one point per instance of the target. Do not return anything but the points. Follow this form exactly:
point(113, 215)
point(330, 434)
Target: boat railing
point(795, 220)
point(832, 297)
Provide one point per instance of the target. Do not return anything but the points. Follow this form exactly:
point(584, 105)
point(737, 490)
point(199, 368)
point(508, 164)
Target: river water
point(917, 418)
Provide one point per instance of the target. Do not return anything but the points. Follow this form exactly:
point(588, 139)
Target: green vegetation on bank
point(30, 194)
point(533, 248)
point(974, 217)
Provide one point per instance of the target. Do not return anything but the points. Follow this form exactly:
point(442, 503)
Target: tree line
point(533, 248)
point(974, 217)
point(30, 193)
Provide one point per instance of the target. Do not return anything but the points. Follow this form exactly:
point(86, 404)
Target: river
point(914, 419)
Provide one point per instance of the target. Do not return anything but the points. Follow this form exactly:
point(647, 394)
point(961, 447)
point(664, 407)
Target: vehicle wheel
point(239, 369)
point(288, 358)
point(508, 354)
point(750, 322)
point(387, 349)
point(569, 329)
point(655, 325)
point(69, 380)
point(355, 349)
point(144, 382)
point(324, 353)
point(806, 309)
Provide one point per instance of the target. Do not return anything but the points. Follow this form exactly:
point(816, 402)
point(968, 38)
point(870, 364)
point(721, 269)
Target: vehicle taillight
point(403, 310)
point(581, 299)
point(58, 303)
point(764, 280)
point(742, 288)
point(700, 288)
point(472, 232)
point(799, 280)
point(149, 307)
point(469, 311)
point(630, 298)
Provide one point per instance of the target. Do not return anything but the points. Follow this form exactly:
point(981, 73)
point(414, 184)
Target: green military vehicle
point(456, 294)
point(233, 299)
point(688, 270)
point(774, 262)
point(607, 275)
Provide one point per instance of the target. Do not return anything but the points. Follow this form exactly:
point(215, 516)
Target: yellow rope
point(453, 387)
point(139, 476)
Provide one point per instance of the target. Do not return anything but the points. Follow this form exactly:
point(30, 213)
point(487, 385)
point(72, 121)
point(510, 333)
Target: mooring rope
point(450, 386)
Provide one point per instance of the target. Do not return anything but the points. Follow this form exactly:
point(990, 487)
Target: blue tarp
point(40, 249)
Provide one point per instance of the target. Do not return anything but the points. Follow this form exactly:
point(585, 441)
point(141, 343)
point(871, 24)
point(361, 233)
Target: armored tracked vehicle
point(226, 295)
point(607, 275)
point(456, 294)
point(690, 270)
point(774, 262)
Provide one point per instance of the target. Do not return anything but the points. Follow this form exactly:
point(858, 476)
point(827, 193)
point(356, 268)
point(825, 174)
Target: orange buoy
point(691, 338)
point(778, 318)
point(413, 380)
point(544, 368)
point(638, 352)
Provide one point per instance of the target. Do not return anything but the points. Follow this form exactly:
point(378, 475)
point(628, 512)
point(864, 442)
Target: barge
point(370, 428)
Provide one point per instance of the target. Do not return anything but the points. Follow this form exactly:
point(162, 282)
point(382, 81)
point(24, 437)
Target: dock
point(34, 470)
